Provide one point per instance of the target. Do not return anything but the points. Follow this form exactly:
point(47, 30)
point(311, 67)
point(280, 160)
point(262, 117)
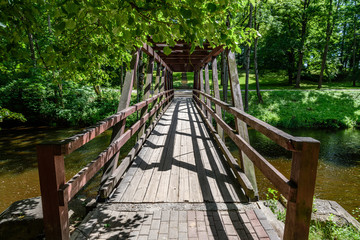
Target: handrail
point(69, 189)
point(277, 178)
point(299, 189)
point(70, 144)
point(55, 192)
point(282, 138)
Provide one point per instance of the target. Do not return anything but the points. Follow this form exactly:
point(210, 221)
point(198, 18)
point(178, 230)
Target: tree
point(257, 26)
point(304, 23)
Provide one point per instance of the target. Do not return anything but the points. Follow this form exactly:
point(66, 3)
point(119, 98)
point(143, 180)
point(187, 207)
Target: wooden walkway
point(179, 187)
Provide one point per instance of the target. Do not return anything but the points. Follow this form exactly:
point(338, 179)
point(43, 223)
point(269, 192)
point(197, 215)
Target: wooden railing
point(56, 192)
point(298, 190)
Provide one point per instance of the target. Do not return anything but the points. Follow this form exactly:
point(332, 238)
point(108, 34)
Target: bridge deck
point(178, 187)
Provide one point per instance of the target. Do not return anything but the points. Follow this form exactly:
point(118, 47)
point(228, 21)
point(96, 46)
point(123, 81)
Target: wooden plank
point(269, 171)
point(214, 53)
point(200, 154)
point(207, 90)
point(194, 184)
point(303, 174)
point(119, 128)
point(146, 95)
point(125, 163)
point(216, 94)
point(184, 172)
point(209, 159)
point(152, 189)
point(52, 176)
point(167, 158)
point(241, 127)
point(173, 186)
point(150, 51)
point(239, 174)
point(121, 190)
point(201, 83)
point(223, 177)
point(148, 171)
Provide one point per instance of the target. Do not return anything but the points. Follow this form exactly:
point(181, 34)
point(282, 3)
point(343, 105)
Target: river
point(338, 176)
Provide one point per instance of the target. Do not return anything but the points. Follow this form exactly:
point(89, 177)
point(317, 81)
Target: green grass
point(309, 109)
point(269, 80)
point(329, 230)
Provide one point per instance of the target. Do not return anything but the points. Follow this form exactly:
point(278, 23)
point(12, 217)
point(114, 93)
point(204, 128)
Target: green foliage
point(6, 114)
point(356, 213)
point(272, 203)
point(330, 230)
point(310, 109)
point(38, 102)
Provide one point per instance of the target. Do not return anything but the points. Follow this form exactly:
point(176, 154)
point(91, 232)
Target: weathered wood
point(147, 86)
point(207, 89)
point(124, 102)
point(52, 177)
point(108, 187)
point(278, 179)
point(214, 53)
point(239, 174)
point(303, 174)
point(216, 94)
point(69, 189)
point(282, 138)
point(201, 84)
point(241, 127)
point(150, 52)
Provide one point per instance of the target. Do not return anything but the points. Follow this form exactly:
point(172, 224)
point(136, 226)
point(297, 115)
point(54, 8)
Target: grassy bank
point(270, 80)
point(309, 109)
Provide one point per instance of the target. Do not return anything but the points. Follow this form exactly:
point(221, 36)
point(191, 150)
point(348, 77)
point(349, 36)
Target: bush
point(41, 103)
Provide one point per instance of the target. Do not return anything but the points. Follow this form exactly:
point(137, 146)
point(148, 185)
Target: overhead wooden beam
point(182, 48)
point(183, 61)
point(214, 53)
point(150, 51)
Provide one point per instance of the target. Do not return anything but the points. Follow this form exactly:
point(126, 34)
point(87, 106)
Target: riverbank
point(307, 109)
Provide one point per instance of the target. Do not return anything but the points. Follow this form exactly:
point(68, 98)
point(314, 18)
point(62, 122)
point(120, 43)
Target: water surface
point(338, 175)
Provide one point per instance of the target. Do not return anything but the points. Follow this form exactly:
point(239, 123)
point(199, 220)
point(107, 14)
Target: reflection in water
point(338, 175)
point(18, 164)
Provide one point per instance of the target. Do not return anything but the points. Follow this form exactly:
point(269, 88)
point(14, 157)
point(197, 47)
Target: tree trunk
point(291, 65)
point(247, 64)
point(342, 61)
point(329, 29)
point(302, 43)
point(32, 49)
point(257, 26)
point(354, 51)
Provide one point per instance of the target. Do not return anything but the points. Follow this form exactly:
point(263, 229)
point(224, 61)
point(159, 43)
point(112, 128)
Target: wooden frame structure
point(56, 192)
point(299, 189)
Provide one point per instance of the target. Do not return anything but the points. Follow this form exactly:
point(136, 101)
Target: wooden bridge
point(179, 181)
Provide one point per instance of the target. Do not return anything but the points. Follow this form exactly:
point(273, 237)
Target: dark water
point(338, 175)
point(18, 164)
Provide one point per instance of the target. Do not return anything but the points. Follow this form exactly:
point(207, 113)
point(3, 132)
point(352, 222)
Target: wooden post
point(241, 127)
point(201, 83)
point(161, 87)
point(52, 176)
point(119, 128)
point(303, 174)
point(147, 86)
point(207, 90)
point(156, 88)
point(217, 95)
